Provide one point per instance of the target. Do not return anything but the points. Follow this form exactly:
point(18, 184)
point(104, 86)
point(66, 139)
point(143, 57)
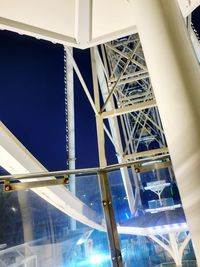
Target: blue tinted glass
point(153, 217)
point(35, 231)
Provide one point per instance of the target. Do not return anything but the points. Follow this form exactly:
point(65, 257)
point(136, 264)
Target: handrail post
point(111, 227)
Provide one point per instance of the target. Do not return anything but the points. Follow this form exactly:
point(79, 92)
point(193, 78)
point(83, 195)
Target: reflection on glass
point(35, 233)
point(155, 215)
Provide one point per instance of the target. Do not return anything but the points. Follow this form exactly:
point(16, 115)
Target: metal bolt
point(137, 170)
point(113, 258)
point(8, 188)
point(109, 202)
point(66, 181)
point(104, 203)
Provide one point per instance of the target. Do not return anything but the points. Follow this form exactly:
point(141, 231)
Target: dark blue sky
point(32, 100)
point(32, 95)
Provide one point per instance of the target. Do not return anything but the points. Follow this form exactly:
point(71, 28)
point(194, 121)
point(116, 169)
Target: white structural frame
point(162, 19)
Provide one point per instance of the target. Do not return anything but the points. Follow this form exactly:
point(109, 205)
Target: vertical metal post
point(70, 127)
point(103, 178)
point(138, 201)
point(26, 215)
point(111, 227)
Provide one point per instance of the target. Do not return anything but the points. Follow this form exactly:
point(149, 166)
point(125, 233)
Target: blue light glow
point(95, 259)
point(126, 214)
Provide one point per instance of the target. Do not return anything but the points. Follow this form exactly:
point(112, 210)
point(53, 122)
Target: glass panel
point(37, 231)
point(34, 232)
point(87, 190)
point(120, 202)
point(155, 215)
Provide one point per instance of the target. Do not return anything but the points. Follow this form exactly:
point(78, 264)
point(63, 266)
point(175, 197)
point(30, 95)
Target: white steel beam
point(147, 153)
point(163, 245)
point(16, 159)
point(175, 76)
point(132, 79)
point(115, 133)
point(136, 74)
point(175, 249)
point(36, 32)
point(83, 21)
point(184, 244)
point(85, 88)
point(128, 109)
point(99, 120)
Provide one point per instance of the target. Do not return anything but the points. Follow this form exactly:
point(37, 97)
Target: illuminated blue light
point(126, 214)
point(97, 259)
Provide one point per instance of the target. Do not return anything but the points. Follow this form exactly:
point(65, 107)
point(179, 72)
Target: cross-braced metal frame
point(121, 82)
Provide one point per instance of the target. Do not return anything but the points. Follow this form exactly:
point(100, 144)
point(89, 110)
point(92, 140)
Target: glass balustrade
point(36, 225)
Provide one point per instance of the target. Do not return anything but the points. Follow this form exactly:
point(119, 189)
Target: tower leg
point(175, 76)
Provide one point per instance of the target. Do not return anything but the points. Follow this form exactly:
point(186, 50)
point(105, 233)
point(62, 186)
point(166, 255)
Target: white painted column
point(70, 125)
point(175, 76)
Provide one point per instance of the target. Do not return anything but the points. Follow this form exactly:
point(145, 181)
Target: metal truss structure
point(135, 107)
point(121, 82)
point(136, 130)
point(130, 84)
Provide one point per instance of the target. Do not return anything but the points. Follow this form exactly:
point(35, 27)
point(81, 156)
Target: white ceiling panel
point(56, 16)
point(78, 23)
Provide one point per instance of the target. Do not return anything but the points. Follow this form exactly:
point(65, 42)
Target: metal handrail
point(82, 171)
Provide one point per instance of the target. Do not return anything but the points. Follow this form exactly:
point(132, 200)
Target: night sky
point(32, 100)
